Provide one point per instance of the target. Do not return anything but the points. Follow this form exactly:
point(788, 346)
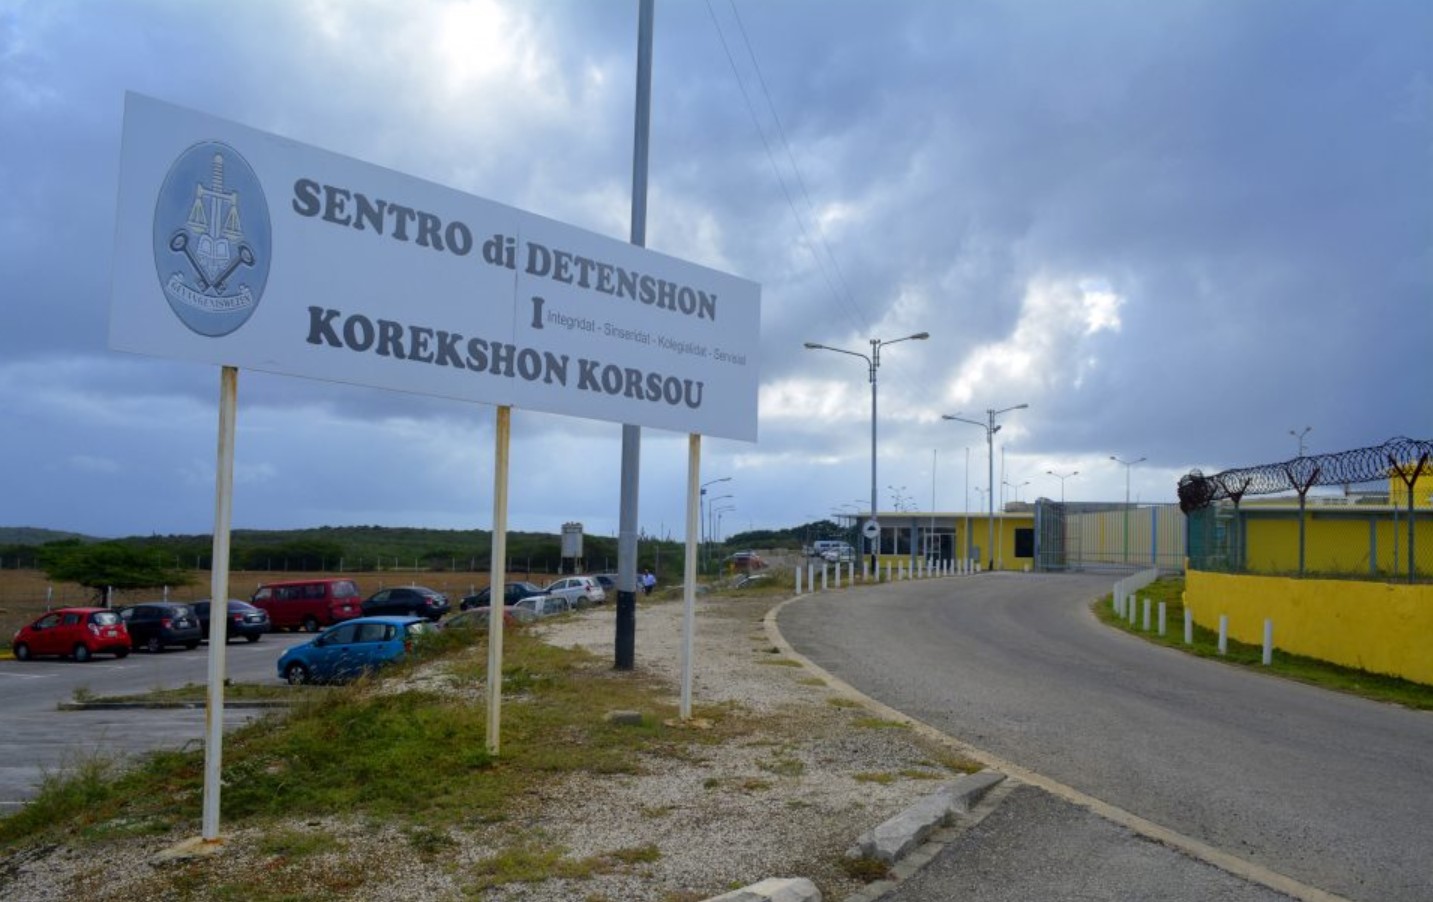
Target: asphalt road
point(1333, 791)
point(36, 738)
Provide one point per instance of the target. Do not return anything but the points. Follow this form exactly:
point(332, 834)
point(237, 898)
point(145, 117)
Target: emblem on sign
point(212, 239)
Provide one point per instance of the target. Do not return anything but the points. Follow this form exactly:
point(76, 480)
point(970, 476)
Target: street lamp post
point(1017, 487)
point(1300, 436)
point(706, 550)
point(873, 363)
point(990, 430)
point(1128, 464)
point(711, 526)
point(1062, 479)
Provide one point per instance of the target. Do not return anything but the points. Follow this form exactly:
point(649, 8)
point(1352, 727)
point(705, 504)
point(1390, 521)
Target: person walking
point(649, 579)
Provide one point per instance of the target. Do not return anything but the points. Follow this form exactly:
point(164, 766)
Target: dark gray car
point(156, 625)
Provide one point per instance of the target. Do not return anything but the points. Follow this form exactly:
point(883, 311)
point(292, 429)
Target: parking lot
point(36, 737)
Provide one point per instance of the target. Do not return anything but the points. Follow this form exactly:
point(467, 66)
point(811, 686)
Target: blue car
point(350, 648)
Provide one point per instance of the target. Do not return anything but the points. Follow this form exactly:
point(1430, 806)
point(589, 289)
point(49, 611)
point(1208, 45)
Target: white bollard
point(1146, 615)
point(823, 577)
point(852, 572)
point(811, 576)
point(838, 576)
point(865, 570)
point(798, 580)
point(1131, 606)
point(1161, 618)
point(1188, 627)
point(1268, 642)
point(888, 571)
point(1223, 633)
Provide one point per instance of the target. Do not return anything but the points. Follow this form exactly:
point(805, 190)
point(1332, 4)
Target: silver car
point(542, 605)
point(580, 591)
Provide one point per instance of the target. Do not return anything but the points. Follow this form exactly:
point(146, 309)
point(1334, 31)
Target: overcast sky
point(1179, 231)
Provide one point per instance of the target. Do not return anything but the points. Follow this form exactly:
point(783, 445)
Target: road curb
point(197, 705)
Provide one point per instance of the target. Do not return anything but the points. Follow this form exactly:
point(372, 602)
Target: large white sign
point(241, 248)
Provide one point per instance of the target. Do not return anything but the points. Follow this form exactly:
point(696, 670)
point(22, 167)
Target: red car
point(73, 632)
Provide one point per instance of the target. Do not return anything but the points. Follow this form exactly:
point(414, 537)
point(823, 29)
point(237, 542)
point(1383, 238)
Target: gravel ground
point(783, 800)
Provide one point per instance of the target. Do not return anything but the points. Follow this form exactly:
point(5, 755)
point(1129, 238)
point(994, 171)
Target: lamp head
point(813, 346)
point(921, 336)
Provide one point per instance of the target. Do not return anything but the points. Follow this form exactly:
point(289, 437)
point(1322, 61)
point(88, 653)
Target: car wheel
point(253, 638)
point(153, 645)
point(22, 652)
point(82, 653)
point(297, 674)
point(121, 652)
point(310, 625)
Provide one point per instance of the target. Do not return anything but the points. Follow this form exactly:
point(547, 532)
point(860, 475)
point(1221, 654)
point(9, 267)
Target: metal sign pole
point(689, 575)
point(219, 604)
point(497, 584)
point(625, 643)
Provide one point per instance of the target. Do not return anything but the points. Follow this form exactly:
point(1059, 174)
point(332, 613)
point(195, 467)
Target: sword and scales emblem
point(213, 237)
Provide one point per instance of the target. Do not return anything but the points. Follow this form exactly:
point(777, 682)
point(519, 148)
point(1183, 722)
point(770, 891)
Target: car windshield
point(104, 618)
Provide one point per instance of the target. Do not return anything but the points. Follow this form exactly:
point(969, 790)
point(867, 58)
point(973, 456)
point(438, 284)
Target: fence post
point(1188, 627)
point(1161, 618)
point(798, 580)
point(1223, 633)
point(1146, 614)
point(1268, 642)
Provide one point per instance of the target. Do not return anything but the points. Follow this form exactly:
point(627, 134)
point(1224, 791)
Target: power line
point(852, 309)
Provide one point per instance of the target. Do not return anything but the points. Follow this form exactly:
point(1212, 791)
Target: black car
point(154, 625)
point(512, 594)
point(411, 601)
point(244, 620)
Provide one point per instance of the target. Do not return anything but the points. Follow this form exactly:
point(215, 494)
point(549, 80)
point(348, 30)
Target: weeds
point(866, 870)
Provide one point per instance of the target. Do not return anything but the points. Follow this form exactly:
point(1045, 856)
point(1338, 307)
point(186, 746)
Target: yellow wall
point(1378, 627)
point(1331, 544)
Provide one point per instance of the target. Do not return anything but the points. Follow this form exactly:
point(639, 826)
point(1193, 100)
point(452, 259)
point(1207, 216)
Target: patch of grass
point(286, 766)
point(811, 681)
point(781, 662)
point(198, 692)
point(430, 841)
point(754, 784)
point(782, 767)
point(955, 762)
point(877, 723)
point(866, 870)
point(529, 863)
point(911, 773)
point(290, 844)
point(840, 702)
point(881, 778)
point(638, 855)
point(1324, 674)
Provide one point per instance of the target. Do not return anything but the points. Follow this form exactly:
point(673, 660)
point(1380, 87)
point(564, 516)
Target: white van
point(833, 550)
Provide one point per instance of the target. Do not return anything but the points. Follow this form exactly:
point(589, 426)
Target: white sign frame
point(367, 276)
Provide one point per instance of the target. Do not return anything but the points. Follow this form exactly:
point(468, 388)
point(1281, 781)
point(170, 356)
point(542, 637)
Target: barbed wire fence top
point(1405, 458)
